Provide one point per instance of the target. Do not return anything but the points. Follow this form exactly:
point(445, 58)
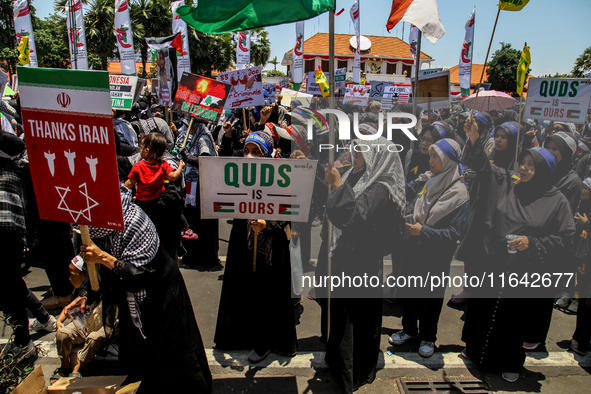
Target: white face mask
point(250, 156)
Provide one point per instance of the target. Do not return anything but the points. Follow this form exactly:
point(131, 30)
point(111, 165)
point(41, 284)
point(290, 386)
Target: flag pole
point(331, 141)
point(417, 66)
point(486, 60)
point(518, 130)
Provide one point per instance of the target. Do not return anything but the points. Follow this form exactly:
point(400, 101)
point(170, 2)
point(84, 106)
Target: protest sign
point(3, 82)
point(166, 76)
point(433, 91)
point(269, 88)
point(284, 83)
point(141, 83)
point(340, 76)
point(395, 94)
point(377, 88)
point(247, 87)
point(357, 94)
point(122, 91)
point(260, 188)
point(201, 97)
point(69, 136)
point(312, 87)
point(154, 86)
point(289, 95)
point(558, 99)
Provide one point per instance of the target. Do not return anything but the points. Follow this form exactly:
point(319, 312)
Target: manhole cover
point(458, 385)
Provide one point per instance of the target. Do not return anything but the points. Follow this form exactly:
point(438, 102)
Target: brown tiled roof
point(454, 78)
point(115, 68)
point(392, 47)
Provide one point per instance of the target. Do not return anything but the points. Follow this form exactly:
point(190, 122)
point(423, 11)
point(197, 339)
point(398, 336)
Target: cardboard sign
point(558, 99)
point(261, 188)
point(357, 95)
point(69, 136)
point(201, 97)
point(395, 94)
point(433, 91)
point(122, 91)
point(3, 82)
point(377, 88)
point(247, 87)
point(290, 94)
point(340, 78)
point(312, 87)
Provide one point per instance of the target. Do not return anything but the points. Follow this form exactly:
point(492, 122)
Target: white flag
point(425, 15)
point(124, 37)
point(183, 63)
point(76, 35)
point(357, 59)
point(413, 42)
point(298, 54)
point(23, 27)
point(243, 50)
point(465, 67)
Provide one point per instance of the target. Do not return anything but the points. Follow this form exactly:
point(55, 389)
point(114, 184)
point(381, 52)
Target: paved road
point(552, 370)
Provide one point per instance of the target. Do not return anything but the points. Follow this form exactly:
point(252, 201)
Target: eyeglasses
point(427, 141)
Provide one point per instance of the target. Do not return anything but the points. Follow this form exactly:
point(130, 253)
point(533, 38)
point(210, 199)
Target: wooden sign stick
point(92, 274)
point(254, 257)
point(187, 135)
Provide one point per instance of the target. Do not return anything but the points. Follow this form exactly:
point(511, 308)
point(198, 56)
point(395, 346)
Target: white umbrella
point(488, 100)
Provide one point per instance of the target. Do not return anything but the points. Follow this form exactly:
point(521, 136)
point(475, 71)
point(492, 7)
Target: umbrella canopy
point(488, 100)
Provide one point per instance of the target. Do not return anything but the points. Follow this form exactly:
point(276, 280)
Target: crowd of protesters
point(470, 180)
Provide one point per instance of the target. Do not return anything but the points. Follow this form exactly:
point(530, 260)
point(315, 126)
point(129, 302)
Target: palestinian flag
point(287, 209)
point(223, 207)
point(573, 114)
point(535, 111)
point(174, 41)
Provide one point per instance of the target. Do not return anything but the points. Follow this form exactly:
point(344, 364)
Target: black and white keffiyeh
point(137, 245)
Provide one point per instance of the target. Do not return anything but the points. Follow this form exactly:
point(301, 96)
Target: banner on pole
point(179, 26)
point(123, 89)
point(69, 136)
point(465, 64)
point(260, 188)
point(558, 99)
point(124, 37)
point(357, 59)
point(357, 95)
point(24, 28)
point(298, 54)
point(201, 97)
point(247, 87)
point(243, 49)
point(76, 35)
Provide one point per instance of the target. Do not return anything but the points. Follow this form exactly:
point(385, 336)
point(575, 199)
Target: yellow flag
point(23, 49)
point(522, 68)
point(512, 5)
point(322, 82)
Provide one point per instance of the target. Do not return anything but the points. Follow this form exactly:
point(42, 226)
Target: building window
point(342, 64)
point(390, 68)
point(325, 66)
point(362, 67)
point(408, 69)
point(309, 65)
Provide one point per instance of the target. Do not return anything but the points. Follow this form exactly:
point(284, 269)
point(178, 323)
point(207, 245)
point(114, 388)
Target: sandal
point(74, 375)
point(60, 373)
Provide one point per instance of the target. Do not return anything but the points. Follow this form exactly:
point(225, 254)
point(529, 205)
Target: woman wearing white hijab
point(438, 221)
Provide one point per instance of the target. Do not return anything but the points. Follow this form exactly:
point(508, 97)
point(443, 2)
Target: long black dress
point(494, 328)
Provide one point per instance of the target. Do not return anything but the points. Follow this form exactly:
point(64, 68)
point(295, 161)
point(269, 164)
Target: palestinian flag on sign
point(573, 114)
point(223, 207)
point(174, 41)
point(287, 209)
point(535, 111)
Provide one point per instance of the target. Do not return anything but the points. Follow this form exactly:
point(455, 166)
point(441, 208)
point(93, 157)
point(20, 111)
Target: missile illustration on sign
point(71, 156)
point(50, 158)
point(92, 164)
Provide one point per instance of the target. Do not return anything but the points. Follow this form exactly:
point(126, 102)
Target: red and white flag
point(124, 37)
point(424, 14)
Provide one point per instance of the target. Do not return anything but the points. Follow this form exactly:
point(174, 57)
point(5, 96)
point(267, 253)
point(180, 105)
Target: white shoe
point(510, 376)
point(427, 348)
point(574, 306)
point(50, 326)
point(399, 337)
point(563, 302)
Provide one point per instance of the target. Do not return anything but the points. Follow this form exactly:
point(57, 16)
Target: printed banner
point(298, 54)
point(377, 88)
point(23, 27)
point(395, 94)
point(311, 85)
point(284, 83)
point(201, 97)
point(429, 71)
point(357, 95)
point(124, 37)
point(340, 78)
point(242, 49)
point(69, 136)
point(123, 89)
point(465, 64)
point(76, 35)
point(165, 77)
point(178, 25)
point(413, 42)
point(141, 83)
point(247, 87)
point(270, 189)
point(558, 99)
point(357, 59)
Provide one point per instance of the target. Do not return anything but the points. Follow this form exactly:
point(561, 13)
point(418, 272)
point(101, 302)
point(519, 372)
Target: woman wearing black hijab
point(503, 154)
point(539, 215)
point(417, 160)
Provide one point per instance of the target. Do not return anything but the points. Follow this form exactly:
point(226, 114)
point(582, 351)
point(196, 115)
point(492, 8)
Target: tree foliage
point(582, 66)
point(275, 73)
point(502, 69)
point(210, 52)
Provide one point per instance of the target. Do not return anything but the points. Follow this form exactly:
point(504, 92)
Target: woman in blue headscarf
point(439, 219)
point(503, 153)
point(539, 218)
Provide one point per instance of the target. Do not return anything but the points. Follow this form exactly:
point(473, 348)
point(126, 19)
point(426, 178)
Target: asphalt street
point(551, 369)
